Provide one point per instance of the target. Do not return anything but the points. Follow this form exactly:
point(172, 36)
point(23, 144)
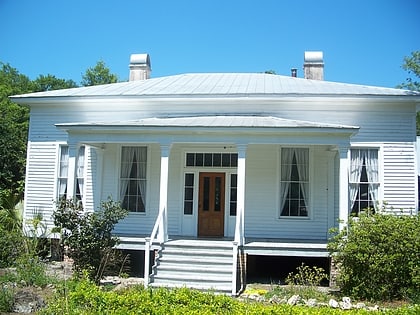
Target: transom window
point(294, 185)
point(211, 159)
point(133, 180)
point(363, 179)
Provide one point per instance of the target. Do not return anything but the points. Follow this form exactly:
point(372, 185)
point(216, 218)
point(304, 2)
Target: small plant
point(307, 276)
point(7, 298)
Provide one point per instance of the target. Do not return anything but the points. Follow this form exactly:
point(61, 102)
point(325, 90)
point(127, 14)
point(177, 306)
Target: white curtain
point(371, 161)
point(302, 161)
point(368, 157)
point(63, 172)
point(141, 169)
point(286, 173)
point(356, 165)
point(128, 157)
point(80, 170)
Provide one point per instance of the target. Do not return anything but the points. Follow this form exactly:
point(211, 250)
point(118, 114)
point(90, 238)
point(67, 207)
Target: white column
point(163, 196)
point(71, 176)
point(344, 187)
point(240, 189)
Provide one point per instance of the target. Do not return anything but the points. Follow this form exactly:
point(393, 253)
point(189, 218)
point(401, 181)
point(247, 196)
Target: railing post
point(146, 261)
point(234, 268)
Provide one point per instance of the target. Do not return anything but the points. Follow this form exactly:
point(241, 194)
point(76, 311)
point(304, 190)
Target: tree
point(50, 82)
point(14, 121)
point(100, 74)
point(412, 66)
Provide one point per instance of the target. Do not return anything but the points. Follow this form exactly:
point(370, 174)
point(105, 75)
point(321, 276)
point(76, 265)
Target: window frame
point(379, 182)
point(59, 177)
point(309, 203)
point(147, 177)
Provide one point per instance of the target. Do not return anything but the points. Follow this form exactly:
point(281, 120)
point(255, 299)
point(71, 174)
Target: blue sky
point(364, 41)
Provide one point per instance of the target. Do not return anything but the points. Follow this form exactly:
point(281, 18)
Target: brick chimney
point(313, 66)
point(140, 67)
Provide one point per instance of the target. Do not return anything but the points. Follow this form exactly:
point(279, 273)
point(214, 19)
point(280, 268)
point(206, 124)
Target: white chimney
point(313, 66)
point(140, 67)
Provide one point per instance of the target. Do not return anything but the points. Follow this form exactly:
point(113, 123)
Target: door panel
point(211, 204)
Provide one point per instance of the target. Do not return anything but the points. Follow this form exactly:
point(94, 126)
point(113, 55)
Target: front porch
point(216, 264)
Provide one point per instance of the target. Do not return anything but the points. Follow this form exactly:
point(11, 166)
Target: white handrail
point(160, 224)
point(234, 268)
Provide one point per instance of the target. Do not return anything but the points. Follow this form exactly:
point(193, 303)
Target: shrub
point(378, 257)
point(88, 235)
point(11, 246)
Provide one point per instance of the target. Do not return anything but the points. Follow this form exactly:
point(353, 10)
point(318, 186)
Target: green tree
point(100, 74)
point(14, 121)
point(49, 82)
point(412, 66)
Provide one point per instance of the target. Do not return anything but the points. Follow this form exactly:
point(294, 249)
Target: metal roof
point(222, 84)
point(211, 121)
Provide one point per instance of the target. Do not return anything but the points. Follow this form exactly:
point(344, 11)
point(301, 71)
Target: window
point(188, 194)
point(80, 173)
point(212, 159)
point(294, 185)
point(63, 170)
point(364, 179)
point(133, 178)
point(233, 193)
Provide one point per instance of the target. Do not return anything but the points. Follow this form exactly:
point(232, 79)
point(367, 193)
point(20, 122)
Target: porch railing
point(161, 226)
point(237, 243)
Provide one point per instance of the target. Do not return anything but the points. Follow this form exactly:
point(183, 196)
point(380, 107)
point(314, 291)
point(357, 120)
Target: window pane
point(217, 193)
point(190, 159)
point(199, 159)
point(208, 159)
point(217, 159)
point(234, 160)
point(233, 194)
point(206, 194)
point(188, 207)
point(189, 179)
point(226, 159)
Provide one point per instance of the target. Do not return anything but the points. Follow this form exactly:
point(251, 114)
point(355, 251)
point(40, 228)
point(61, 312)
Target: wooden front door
point(211, 205)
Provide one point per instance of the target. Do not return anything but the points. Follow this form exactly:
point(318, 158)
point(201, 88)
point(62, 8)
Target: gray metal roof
point(222, 84)
point(212, 121)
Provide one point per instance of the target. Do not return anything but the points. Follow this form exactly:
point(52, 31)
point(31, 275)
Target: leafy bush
point(88, 235)
point(378, 257)
point(11, 246)
point(7, 298)
point(84, 297)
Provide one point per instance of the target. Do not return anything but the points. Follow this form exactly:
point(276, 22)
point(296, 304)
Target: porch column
point(71, 175)
point(163, 197)
point(343, 187)
point(240, 189)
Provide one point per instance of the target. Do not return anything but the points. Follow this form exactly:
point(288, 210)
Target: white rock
point(293, 300)
point(333, 303)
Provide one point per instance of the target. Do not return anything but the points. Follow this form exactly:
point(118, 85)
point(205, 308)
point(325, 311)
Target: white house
point(217, 166)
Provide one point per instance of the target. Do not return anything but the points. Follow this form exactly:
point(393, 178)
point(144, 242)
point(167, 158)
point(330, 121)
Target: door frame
point(221, 214)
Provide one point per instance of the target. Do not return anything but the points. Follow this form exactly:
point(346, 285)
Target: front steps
point(199, 264)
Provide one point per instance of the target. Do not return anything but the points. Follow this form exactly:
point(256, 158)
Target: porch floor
point(253, 246)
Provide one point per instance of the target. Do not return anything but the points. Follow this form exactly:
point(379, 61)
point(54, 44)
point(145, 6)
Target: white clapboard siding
point(262, 213)
point(400, 176)
point(41, 180)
